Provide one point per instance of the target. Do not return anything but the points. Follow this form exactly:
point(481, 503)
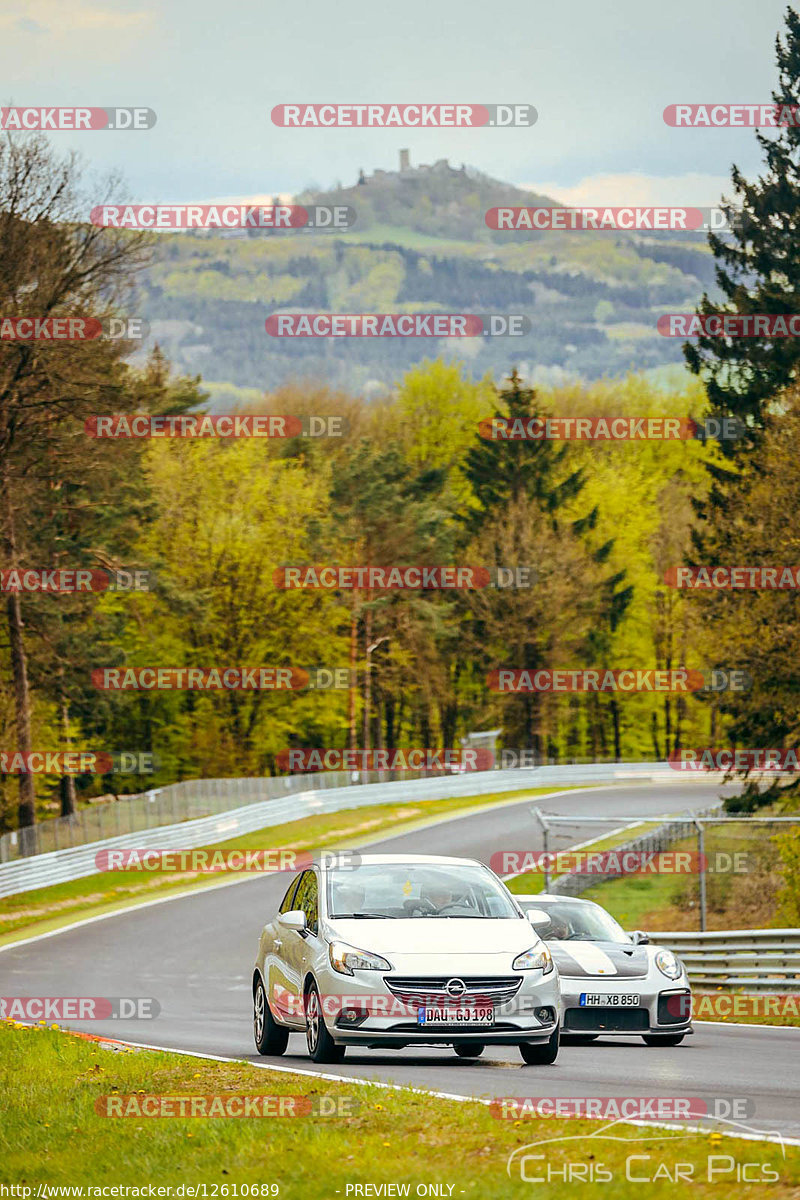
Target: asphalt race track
point(195, 956)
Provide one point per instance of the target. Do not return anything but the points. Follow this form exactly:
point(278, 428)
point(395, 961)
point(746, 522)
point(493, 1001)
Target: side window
point(286, 902)
point(307, 898)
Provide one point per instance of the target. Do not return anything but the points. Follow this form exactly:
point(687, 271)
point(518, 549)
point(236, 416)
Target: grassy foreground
point(51, 1133)
point(39, 911)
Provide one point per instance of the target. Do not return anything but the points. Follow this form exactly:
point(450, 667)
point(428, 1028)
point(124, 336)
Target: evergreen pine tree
point(758, 268)
point(503, 472)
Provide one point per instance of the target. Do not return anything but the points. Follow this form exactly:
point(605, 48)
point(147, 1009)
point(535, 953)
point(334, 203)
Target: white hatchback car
point(404, 950)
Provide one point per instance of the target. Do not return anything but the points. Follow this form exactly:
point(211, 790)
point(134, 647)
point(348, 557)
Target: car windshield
point(576, 922)
point(417, 890)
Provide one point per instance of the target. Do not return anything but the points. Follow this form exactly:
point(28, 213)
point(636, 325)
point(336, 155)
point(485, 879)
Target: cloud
point(40, 16)
point(690, 190)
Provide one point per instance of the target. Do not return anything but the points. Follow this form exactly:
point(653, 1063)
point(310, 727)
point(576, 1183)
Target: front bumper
point(661, 1010)
point(397, 1038)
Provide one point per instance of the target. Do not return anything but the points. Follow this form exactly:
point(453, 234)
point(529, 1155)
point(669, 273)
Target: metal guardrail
point(61, 866)
point(193, 798)
point(758, 960)
point(183, 801)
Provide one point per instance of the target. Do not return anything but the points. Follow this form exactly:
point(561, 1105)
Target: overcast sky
point(599, 76)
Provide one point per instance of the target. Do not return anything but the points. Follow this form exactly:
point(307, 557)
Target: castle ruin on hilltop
point(406, 171)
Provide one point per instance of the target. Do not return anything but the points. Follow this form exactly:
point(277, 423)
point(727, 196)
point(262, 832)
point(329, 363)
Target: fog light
point(545, 1015)
point(352, 1017)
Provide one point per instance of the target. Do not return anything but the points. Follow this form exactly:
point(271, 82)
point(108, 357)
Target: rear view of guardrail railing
point(757, 960)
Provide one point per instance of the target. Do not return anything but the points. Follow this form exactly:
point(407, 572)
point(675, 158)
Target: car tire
point(671, 1039)
point(270, 1038)
point(321, 1046)
point(541, 1054)
point(469, 1049)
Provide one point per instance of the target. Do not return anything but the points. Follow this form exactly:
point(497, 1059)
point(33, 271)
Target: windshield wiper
point(363, 917)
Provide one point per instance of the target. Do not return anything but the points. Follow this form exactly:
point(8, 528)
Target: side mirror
point(640, 938)
point(294, 919)
point(537, 917)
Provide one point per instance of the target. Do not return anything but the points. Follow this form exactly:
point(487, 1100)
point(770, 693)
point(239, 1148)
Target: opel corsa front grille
point(478, 989)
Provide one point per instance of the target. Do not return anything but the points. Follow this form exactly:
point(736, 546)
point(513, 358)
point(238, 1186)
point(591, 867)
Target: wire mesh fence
point(184, 801)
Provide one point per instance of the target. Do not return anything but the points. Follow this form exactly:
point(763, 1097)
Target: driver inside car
point(438, 895)
point(559, 929)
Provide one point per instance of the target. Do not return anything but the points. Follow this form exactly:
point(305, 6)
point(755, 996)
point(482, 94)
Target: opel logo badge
point(455, 987)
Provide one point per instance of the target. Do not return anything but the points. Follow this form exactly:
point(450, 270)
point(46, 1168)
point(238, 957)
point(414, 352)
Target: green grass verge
point(736, 1007)
point(49, 908)
point(51, 1133)
point(634, 898)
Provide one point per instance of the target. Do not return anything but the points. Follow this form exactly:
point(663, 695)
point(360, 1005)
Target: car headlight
point(668, 964)
point(345, 959)
point(537, 958)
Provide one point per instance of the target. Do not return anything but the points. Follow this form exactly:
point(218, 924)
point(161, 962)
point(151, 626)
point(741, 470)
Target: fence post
point(545, 845)
point(701, 855)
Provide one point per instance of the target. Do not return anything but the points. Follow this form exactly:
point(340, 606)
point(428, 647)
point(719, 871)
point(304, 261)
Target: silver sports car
point(612, 982)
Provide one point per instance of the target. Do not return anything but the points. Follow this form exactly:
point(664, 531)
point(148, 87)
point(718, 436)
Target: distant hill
point(420, 243)
point(439, 200)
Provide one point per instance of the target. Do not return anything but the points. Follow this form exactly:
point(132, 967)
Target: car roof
point(430, 860)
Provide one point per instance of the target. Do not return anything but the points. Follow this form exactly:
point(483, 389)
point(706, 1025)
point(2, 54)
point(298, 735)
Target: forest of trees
point(592, 299)
point(411, 481)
